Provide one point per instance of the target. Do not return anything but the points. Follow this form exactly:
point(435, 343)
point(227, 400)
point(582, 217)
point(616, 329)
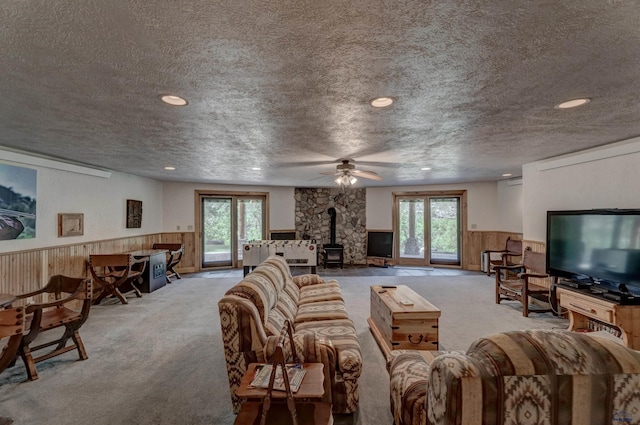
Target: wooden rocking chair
point(521, 288)
point(11, 329)
point(62, 311)
point(512, 250)
point(113, 271)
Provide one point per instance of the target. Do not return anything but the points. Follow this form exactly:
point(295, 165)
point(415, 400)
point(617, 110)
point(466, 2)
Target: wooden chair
point(521, 288)
point(512, 250)
point(68, 292)
point(11, 330)
point(174, 256)
point(114, 271)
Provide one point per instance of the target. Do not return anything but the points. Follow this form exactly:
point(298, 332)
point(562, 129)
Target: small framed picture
point(134, 214)
point(70, 224)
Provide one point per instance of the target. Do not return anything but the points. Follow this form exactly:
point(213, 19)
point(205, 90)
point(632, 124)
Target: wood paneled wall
point(25, 271)
point(480, 241)
point(477, 241)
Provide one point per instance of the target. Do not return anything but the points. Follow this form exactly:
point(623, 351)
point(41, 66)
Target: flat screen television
point(597, 247)
point(380, 244)
point(283, 236)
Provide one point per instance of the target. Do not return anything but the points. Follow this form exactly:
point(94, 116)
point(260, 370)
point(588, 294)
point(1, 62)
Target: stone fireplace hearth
point(313, 220)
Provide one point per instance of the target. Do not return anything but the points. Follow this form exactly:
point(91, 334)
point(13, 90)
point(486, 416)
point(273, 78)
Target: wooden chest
point(402, 319)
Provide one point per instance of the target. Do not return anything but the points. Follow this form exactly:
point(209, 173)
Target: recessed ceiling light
point(507, 175)
point(573, 103)
point(381, 102)
point(173, 100)
point(256, 168)
point(169, 168)
point(425, 168)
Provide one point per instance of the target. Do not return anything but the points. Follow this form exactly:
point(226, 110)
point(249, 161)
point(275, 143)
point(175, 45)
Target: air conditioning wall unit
point(485, 257)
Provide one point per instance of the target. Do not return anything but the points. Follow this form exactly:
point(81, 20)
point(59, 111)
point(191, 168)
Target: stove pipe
point(332, 226)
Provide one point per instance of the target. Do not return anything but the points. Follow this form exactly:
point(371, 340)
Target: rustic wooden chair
point(521, 288)
point(512, 251)
point(114, 271)
point(67, 292)
point(11, 330)
point(174, 256)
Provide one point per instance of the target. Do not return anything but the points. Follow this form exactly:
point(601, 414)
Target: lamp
point(346, 179)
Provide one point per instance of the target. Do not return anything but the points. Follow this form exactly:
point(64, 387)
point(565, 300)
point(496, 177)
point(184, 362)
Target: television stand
point(589, 311)
point(378, 262)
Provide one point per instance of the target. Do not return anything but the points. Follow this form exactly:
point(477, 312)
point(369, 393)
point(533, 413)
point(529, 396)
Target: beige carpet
point(159, 360)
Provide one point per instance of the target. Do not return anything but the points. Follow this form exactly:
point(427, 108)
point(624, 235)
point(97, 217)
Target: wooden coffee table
point(401, 319)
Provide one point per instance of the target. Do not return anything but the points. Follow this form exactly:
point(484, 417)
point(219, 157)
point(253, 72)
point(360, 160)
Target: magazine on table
point(262, 375)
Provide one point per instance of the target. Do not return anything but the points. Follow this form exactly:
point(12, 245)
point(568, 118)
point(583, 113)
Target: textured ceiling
point(285, 85)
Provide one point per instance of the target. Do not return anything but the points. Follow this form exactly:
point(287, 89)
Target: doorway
point(429, 229)
point(226, 222)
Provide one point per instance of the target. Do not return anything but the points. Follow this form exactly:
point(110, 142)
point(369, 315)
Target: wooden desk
point(396, 326)
point(155, 275)
point(6, 300)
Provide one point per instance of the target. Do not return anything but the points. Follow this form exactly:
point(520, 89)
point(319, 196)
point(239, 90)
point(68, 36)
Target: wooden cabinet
point(402, 319)
point(585, 308)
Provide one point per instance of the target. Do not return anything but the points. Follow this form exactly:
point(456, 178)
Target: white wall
point(606, 183)
point(481, 204)
point(101, 200)
point(510, 207)
point(179, 204)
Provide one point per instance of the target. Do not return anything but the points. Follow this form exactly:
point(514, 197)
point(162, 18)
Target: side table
point(307, 412)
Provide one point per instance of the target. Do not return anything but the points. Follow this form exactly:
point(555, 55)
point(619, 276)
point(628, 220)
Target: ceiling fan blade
point(366, 174)
point(317, 178)
point(305, 163)
point(330, 173)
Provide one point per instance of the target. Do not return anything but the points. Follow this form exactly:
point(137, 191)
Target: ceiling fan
point(346, 173)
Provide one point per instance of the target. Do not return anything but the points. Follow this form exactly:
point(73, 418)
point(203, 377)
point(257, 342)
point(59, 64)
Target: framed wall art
point(134, 214)
point(17, 202)
point(70, 224)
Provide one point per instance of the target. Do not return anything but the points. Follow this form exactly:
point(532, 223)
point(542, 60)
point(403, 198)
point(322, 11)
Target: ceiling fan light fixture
point(173, 100)
point(381, 102)
point(346, 179)
point(573, 103)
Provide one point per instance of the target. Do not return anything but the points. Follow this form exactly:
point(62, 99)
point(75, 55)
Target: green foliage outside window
point(444, 225)
point(217, 219)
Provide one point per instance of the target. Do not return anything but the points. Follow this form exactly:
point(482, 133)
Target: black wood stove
point(333, 252)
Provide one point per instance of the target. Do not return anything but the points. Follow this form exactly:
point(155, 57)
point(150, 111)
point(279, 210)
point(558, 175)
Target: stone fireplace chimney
point(314, 221)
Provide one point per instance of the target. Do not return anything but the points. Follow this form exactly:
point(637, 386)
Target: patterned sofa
point(524, 377)
point(254, 310)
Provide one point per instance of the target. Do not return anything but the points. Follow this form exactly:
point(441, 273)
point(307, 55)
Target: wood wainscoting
point(26, 271)
point(481, 241)
point(478, 241)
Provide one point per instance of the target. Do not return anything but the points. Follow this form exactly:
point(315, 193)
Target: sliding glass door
point(217, 228)
point(228, 222)
point(444, 230)
point(428, 229)
point(412, 231)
